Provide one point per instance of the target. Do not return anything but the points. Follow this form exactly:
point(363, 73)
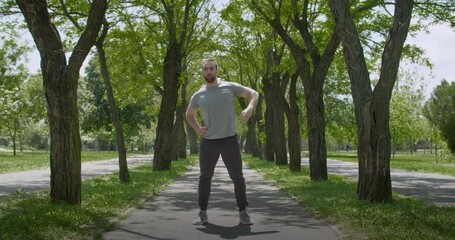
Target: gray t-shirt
point(218, 108)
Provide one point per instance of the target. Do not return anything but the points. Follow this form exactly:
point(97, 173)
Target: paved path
point(5, 150)
point(435, 188)
point(38, 180)
point(170, 213)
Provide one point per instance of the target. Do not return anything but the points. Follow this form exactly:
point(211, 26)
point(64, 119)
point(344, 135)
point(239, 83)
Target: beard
point(210, 79)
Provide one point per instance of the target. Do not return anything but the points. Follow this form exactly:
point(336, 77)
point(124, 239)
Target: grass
point(335, 201)
point(104, 200)
point(416, 162)
point(40, 159)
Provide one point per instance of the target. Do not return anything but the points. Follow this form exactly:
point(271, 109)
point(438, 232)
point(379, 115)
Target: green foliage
point(34, 98)
point(435, 12)
point(96, 116)
point(340, 121)
point(21, 97)
point(19, 109)
point(95, 111)
point(339, 109)
point(439, 110)
point(407, 124)
point(71, 19)
point(105, 200)
point(335, 200)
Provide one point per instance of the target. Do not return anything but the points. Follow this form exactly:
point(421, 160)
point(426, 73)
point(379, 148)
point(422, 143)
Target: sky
point(438, 43)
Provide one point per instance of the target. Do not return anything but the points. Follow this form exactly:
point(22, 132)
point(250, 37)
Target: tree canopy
point(440, 110)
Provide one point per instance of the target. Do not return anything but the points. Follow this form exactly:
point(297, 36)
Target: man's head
point(209, 69)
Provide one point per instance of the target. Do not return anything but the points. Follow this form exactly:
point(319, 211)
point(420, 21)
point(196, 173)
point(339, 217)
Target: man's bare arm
point(192, 121)
point(253, 95)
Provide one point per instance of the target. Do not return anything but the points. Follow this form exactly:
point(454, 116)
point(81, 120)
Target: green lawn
point(416, 162)
point(36, 159)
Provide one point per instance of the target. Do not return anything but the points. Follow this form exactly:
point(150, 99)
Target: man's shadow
point(230, 232)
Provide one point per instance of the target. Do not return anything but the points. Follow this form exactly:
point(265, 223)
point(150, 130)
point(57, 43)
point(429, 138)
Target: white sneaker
point(201, 218)
point(244, 218)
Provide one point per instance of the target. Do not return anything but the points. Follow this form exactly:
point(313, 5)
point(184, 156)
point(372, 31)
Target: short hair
point(209, 60)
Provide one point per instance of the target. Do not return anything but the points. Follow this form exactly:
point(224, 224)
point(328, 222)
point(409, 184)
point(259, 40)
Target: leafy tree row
point(303, 56)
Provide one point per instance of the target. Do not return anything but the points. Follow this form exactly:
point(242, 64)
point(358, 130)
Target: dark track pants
point(210, 151)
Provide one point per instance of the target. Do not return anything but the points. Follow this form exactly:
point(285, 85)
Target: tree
point(242, 61)
point(259, 57)
point(407, 124)
point(37, 129)
point(294, 137)
point(60, 82)
point(13, 107)
point(181, 21)
point(95, 112)
point(113, 109)
point(313, 59)
point(372, 106)
point(340, 119)
point(13, 75)
point(440, 111)
point(67, 14)
point(275, 84)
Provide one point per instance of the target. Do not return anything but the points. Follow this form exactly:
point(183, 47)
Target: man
point(219, 135)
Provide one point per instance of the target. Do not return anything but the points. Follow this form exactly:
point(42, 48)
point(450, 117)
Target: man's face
point(209, 71)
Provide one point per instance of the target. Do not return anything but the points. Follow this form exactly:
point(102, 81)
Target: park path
point(37, 180)
point(276, 215)
point(5, 150)
point(435, 188)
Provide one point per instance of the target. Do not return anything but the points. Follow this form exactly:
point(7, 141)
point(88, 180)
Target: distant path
point(37, 180)
point(436, 188)
point(5, 150)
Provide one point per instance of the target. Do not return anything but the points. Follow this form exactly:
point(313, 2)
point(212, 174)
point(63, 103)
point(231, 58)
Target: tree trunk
point(269, 151)
point(179, 133)
point(278, 128)
point(316, 131)
point(292, 112)
point(261, 129)
point(274, 91)
point(163, 152)
point(181, 137)
point(192, 139)
point(13, 134)
point(115, 113)
point(251, 137)
point(372, 107)
point(60, 84)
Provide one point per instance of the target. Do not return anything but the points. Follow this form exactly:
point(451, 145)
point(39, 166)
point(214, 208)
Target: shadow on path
point(231, 232)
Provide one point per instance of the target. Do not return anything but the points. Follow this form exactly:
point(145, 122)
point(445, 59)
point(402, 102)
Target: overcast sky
point(439, 45)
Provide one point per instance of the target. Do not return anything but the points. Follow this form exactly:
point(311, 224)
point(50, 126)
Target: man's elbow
point(254, 94)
